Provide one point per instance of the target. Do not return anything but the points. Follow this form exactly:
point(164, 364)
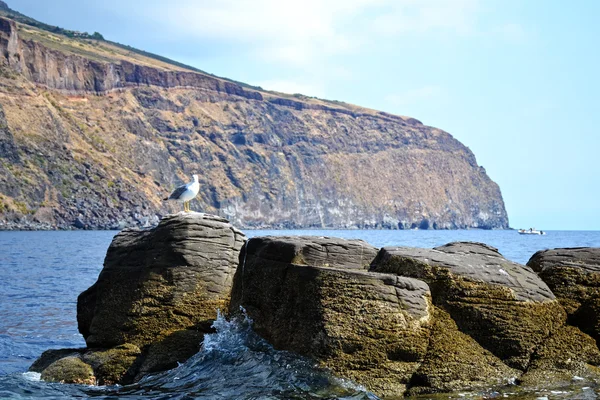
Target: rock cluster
point(413, 320)
point(398, 320)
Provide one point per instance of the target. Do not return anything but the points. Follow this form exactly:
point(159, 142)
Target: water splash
point(235, 362)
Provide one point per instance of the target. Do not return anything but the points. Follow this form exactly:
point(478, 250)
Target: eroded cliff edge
point(94, 138)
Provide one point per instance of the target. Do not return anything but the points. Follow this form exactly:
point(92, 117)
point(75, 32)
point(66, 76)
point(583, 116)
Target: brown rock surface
point(505, 306)
point(155, 298)
point(371, 328)
point(107, 133)
point(455, 361)
point(159, 281)
point(116, 365)
point(573, 274)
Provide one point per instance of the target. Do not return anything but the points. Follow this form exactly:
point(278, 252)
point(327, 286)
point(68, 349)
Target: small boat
point(530, 231)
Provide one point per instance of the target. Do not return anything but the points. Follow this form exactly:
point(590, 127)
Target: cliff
point(93, 135)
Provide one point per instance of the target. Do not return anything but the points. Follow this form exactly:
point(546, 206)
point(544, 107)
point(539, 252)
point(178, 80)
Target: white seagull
point(186, 193)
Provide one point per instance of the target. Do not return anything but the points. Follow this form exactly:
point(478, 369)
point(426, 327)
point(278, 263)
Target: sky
point(515, 81)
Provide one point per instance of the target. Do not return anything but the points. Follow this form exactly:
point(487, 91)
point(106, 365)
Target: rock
point(504, 306)
point(573, 274)
point(116, 365)
point(158, 281)
point(79, 224)
point(372, 328)
point(455, 361)
point(69, 370)
point(171, 350)
point(50, 356)
point(155, 298)
point(567, 353)
point(317, 251)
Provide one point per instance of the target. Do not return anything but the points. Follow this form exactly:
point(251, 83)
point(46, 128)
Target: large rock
point(504, 306)
point(307, 296)
point(155, 298)
point(156, 282)
point(573, 274)
point(69, 369)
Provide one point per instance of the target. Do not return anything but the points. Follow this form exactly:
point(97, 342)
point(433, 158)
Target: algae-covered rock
point(116, 365)
point(69, 370)
point(52, 355)
point(171, 350)
point(158, 281)
point(455, 361)
point(368, 327)
point(567, 353)
point(503, 305)
point(573, 274)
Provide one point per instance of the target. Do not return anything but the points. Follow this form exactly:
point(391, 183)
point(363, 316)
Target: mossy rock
point(175, 348)
point(69, 370)
point(50, 356)
point(157, 281)
point(116, 365)
point(567, 353)
point(455, 361)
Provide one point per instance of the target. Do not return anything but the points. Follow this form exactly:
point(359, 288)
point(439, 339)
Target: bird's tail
point(166, 198)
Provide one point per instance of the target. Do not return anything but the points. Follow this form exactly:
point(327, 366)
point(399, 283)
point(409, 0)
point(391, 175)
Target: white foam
point(32, 376)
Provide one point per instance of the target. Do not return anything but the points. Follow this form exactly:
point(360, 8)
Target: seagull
point(185, 193)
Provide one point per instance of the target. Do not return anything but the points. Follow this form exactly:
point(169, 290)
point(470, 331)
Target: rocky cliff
point(94, 136)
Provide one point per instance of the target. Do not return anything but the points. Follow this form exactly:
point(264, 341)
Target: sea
point(42, 273)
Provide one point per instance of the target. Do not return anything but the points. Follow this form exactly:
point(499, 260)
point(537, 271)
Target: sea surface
point(42, 273)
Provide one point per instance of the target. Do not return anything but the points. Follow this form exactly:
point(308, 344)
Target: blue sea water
point(42, 273)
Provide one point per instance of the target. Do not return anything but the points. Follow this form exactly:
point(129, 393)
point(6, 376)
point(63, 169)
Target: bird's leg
point(185, 206)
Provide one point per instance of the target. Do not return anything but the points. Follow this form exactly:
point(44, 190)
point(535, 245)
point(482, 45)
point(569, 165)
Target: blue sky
point(516, 81)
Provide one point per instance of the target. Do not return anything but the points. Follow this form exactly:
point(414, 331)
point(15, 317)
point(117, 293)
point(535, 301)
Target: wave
point(233, 363)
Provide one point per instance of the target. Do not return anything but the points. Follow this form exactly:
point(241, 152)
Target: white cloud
point(316, 40)
point(299, 33)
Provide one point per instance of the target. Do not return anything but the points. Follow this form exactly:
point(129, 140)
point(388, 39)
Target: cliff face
point(93, 137)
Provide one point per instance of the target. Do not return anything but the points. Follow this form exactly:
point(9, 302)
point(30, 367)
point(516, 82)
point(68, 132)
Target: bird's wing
point(176, 194)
